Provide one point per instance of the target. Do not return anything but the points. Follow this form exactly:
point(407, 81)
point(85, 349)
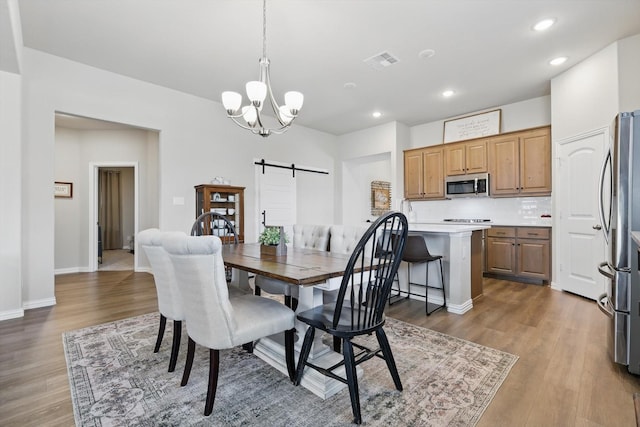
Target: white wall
point(585, 97)
point(357, 175)
point(629, 73)
point(10, 191)
point(364, 154)
point(197, 142)
point(517, 116)
point(70, 214)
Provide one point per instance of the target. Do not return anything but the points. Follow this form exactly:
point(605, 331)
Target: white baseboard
point(11, 314)
point(555, 286)
point(44, 302)
point(71, 270)
point(460, 308)
point(143, 270)
point(451, 308)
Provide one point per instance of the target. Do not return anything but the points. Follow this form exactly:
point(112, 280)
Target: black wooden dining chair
point(215, 224)
point(359, 308)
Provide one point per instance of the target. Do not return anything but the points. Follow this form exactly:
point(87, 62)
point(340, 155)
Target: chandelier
point(250, 116)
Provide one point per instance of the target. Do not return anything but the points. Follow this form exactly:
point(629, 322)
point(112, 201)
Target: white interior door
point(581, 242)
point(276, 198)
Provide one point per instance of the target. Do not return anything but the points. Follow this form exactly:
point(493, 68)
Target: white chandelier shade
point(249, 116)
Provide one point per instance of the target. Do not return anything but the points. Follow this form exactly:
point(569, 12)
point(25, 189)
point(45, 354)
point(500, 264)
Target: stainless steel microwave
point(473, 185)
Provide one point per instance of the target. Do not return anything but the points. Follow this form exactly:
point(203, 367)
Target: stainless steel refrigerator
point(619, 215)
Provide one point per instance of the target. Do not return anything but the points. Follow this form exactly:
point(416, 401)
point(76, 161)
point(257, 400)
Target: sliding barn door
point(276, 198)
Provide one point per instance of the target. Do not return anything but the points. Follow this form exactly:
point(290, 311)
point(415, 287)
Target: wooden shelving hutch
point(225, 200)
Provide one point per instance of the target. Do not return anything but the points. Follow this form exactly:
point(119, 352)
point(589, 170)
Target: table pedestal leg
point(271, 350)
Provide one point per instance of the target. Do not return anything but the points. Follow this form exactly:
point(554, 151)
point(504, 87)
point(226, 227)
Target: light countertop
point(447, 227)
point(539, 222)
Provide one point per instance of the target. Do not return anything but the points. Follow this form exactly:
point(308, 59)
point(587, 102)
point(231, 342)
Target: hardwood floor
point(563, 376)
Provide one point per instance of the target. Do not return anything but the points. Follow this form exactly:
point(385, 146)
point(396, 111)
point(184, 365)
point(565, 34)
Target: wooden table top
point(298, 267)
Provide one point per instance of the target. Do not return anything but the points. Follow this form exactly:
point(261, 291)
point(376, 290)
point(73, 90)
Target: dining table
point(314, 272)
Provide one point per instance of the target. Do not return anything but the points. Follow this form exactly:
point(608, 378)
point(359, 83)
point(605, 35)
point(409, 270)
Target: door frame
point(558, 235)
point(94, 168)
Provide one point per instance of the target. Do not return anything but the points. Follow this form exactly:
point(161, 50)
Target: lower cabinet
point(519, 252)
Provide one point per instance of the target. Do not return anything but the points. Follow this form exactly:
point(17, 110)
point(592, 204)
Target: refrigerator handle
point(605, 225)
point(606, 273)
point(603, 303)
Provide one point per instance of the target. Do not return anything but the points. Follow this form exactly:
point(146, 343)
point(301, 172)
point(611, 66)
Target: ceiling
point(485, 50)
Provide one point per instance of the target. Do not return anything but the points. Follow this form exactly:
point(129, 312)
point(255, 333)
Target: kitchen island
point(454, 243)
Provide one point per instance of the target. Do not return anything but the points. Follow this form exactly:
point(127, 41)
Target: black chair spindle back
point(369, 274)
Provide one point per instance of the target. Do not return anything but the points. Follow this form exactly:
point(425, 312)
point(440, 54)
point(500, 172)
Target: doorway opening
point(113, 190)
point(116, 218)
point(81, 142)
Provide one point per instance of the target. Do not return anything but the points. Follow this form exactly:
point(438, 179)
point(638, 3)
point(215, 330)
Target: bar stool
point(416, 252)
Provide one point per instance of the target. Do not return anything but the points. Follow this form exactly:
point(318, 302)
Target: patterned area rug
point(117, 380)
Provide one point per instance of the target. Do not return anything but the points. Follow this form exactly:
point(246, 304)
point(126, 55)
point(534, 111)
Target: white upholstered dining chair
point(214, 320)
point(169, 298)
point(304, 236)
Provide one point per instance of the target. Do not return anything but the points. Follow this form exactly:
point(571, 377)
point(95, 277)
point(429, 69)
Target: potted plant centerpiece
point(273, 241)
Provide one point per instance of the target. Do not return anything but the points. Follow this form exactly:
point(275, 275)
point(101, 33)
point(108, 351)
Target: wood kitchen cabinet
point(520, 163)
point(461, 158)
point(423, 173)
point(522, 253)
point(225, 200)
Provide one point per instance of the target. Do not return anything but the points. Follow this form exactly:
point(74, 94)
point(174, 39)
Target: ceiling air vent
point(381, 60)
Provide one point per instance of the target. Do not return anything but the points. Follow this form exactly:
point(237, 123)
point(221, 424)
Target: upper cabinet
point(423, 173)
point(520, 163)
point(461, 158)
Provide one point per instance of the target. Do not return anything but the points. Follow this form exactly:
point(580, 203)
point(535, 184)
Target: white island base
point(453, 242)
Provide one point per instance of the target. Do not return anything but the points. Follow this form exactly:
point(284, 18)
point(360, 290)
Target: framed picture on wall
point(380, 197)
point(63, 189)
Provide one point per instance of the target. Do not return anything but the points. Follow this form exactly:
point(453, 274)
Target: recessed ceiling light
point(376, 114)
point(448, 93)
point(426, 54)
point(350, 85)
point(545, 24)
point(559, 60)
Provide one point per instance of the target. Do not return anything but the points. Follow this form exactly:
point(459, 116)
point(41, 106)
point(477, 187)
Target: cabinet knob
point(597, 227)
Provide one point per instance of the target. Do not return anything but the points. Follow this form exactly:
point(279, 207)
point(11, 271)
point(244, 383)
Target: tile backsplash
point(501, 211)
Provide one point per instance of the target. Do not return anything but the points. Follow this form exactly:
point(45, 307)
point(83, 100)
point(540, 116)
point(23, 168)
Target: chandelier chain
point(259, 92)
point(264, 28)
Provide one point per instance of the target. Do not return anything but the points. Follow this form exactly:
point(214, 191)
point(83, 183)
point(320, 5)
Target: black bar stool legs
point(397, 297)
point(416, 252)
point(434, 307)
